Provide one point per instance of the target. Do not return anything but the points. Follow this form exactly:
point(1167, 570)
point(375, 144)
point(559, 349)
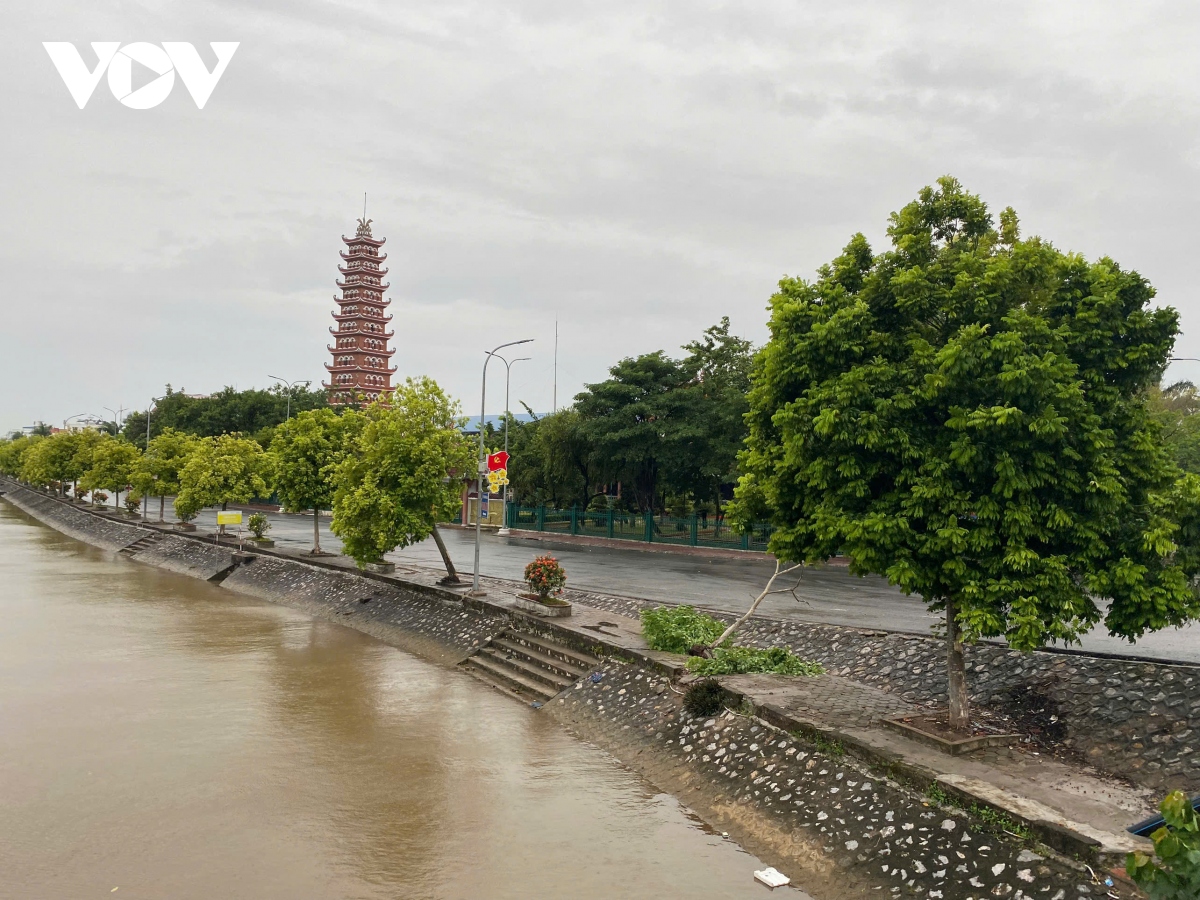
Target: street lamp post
point(507, 375)
point(291, 385)
point(116, 415)
point(145, 505)
point(475, 589)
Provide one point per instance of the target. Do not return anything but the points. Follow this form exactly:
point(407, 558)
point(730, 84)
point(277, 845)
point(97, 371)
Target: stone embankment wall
point(837, 828)
point(70, 520)
point(422, 620)
point(1138, 719)
point(432, 623)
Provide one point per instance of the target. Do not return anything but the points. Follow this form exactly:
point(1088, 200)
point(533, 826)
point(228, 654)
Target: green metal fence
point(688, 531)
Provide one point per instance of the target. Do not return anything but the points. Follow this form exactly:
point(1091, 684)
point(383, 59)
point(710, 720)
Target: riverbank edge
point(445, 627)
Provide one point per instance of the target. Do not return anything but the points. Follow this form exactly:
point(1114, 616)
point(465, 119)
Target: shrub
point(703, 698)
point(132, 503)
point(544, 575)
point(99, 497)
point(258, 524)
point(748, 661)
point(676, 629)
point(1176, 873)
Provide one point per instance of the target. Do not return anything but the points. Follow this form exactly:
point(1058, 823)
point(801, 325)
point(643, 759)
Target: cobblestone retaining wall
point(72, 521)
point(834, 827)
point(412, 617)
point(1138, 719)
point(187, 557)
point(422, 620)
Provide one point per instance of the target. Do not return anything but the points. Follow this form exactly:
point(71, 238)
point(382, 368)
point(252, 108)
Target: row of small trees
point(389, 472)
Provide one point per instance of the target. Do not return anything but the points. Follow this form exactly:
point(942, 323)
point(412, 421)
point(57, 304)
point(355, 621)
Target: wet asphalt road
point(829, 595)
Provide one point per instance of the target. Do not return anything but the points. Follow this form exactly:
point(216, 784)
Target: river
point(164, 738)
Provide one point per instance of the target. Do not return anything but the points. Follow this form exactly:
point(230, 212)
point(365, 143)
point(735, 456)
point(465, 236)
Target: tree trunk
point(960, 714)
point(162, 505)
point(451, 574)
point(316, 530)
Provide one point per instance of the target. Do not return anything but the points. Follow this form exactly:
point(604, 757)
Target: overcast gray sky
point(633, 170)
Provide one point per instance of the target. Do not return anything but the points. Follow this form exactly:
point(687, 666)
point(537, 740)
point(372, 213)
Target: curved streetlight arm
point(291, 385)
point(475, 591)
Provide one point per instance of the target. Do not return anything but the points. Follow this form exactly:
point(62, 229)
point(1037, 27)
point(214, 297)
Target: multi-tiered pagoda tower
point(361, 368)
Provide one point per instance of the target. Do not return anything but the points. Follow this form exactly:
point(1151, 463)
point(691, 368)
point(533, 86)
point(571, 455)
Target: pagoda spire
point(361, 369)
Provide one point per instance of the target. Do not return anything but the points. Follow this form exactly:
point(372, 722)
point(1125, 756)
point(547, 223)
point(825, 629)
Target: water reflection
point(172, 739)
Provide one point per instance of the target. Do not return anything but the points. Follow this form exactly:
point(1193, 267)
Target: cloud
point(631, 170)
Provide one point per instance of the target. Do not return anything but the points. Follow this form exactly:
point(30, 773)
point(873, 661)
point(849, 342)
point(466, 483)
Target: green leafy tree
point(252, 412)
point(552, 460)
point(403, 473)
point(221, 470)
point(113, 462)
point(49, 462)
point(1175, 408)
point(12, 454)
point(1175, 875)
point(305, 454)
point(966, 415)
point(713, 413)
point(158, 470)
point(85, 445)
point(631, 422)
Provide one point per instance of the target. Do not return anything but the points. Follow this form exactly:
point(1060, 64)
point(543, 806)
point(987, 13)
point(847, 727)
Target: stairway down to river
point(143, 543)
point(528, 666)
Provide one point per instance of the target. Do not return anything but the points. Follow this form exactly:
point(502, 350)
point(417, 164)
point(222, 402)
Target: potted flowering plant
point(545, 578)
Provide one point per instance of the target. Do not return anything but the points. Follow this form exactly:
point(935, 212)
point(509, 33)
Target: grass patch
point(680, 628)
point(676, 629)
point(995, 820)
point(822, 743)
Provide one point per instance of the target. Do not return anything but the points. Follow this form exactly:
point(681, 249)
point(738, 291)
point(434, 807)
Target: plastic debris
point(771, 878)
point(596, 676)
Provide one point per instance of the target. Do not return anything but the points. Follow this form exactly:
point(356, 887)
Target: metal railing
point(688, 531)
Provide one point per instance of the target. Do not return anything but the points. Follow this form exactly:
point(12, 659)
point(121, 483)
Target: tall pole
point(507, 415)
point(555, 405)
point(475, 589)
point(291, 385)
point(145, 500)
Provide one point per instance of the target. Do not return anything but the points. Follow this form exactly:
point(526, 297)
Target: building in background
point(361, 369)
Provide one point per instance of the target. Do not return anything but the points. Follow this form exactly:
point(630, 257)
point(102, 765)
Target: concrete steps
point(143, 543)
point(528, 666)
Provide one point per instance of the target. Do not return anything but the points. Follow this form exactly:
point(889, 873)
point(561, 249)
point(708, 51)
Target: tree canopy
point(157, 471)
point(221, 470)
point(252, 412)
point(966, 415)
point(402, 472)
point(112, 465)
point(305, 454)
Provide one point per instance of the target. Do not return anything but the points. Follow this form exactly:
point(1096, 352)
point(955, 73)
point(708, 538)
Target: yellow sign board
point(229, 518)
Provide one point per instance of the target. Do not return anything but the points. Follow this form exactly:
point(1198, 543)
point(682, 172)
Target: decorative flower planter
point(262, 542)
point(553, 609)
point(184, 526)
point(380, 568)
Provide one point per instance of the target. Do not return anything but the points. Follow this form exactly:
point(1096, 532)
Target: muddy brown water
point(163, 738)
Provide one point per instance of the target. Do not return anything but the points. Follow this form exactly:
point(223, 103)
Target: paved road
point(826, 595)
